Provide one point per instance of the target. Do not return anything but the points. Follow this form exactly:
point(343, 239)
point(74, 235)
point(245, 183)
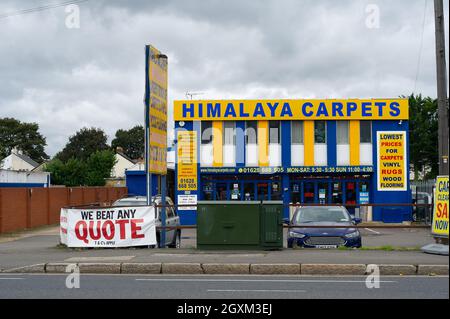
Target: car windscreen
point(321, 214)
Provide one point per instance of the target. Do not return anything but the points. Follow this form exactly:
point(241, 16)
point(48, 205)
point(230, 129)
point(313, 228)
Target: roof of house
point(27, 159)
point(126, 157)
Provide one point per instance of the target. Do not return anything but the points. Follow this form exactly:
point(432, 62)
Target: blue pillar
point(286, 143)
point(331, 143)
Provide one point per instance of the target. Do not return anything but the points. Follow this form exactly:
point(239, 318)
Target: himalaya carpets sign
point(108, 227)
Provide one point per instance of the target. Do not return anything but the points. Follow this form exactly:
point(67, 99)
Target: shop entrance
point(247, 188)
point(344, 190)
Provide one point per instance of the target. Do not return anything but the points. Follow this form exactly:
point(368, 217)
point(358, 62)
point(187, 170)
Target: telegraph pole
point(441, 72)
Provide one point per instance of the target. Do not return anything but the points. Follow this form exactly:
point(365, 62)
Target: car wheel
point(176, 242)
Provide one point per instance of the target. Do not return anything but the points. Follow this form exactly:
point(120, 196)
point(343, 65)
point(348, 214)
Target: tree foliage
point(423, 134)
point(24, 136)
point(131, 141)
point(84, 143)
point(76, 172)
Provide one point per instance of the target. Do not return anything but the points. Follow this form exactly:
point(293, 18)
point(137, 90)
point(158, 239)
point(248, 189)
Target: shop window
point(350, 193)
point(263, 191)
point(208, 191)
point(366, 132)
point(320, 132)
point(251, 132)
point(276, 191)
point(221, 191)
point(297, 132)
point(274, 132)
point(206, 132)
point(342, 132)
point(309, 192)
point(295, 195)
point(336, 192)
point(323, 193)
point(249, 191)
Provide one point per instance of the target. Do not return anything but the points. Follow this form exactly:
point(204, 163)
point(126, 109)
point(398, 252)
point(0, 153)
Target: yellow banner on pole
point(440, 211)
point(187, 161)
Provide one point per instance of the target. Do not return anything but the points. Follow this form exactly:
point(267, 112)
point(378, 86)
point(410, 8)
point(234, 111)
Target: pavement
point(220, 287)
point(40, 247)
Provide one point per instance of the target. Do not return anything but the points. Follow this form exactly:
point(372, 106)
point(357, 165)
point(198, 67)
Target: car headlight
point(296, 235)
point(352, 235)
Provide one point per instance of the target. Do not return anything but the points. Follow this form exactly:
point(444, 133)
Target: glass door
point(309, 193)
point(249, 191)
point(263, 191)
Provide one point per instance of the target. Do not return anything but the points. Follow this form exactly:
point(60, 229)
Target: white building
point(17, 161)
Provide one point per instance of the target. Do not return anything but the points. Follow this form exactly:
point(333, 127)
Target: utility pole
point(441, 72)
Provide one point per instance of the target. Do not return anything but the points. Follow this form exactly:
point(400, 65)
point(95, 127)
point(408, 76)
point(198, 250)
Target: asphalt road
point(221, 287)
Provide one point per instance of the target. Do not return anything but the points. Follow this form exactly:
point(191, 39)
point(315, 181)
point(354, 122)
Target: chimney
point(119, 149)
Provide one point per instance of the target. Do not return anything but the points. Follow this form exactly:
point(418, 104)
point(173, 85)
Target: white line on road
point(373, 231)
point(11, 278)
point(253, 290)
point(259, 280)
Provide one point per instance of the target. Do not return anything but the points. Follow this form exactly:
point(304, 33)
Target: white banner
point(109, 227)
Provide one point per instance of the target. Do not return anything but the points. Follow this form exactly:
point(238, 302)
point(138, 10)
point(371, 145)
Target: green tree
point(76, 172)
point(423, 134)
point(70, 173)
point(85, 142)
point(131, 141)
point(99, 166)
point(24, 136)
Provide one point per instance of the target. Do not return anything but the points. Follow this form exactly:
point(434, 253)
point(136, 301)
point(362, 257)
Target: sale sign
point(110, 227)
point(392, 171)
point(440, 211)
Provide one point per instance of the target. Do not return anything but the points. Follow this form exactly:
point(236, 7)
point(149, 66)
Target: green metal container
point(239, 225)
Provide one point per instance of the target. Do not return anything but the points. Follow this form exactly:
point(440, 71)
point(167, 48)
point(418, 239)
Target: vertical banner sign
point(440, 211)
point(156, 100)
point(392, 171)
point(187, 161)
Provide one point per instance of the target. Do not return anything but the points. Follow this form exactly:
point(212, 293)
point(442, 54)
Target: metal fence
point(422, 193)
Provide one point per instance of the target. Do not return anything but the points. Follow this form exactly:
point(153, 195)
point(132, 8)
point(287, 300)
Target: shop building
point(298, 151)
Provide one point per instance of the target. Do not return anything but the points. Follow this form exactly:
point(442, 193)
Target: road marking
point(12, 278)
point(373, 231)
point(113, 258)
point(253, 290)
point(260, 280)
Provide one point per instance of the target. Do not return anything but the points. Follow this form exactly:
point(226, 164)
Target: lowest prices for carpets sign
point(108, 227)
point(392, 172)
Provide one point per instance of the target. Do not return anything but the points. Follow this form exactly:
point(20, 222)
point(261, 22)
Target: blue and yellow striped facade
point(354, 182)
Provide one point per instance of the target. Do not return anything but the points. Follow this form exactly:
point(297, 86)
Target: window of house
point(365, 132)
point(251, 132)
point(274, 132)
point(320, 130)
point(229, 133)
point(342, 132)
point(206, 132)
point(297, 132)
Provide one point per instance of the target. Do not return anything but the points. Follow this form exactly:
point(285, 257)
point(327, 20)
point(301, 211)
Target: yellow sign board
point(187, 161)
point(440, 212)
point(392, 171)
point(303, 109)
point(157, 108)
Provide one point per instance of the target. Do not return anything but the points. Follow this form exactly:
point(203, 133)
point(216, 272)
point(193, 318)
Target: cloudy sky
point(93, 76)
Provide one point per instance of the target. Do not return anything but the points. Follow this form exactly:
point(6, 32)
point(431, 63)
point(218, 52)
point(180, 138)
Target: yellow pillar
point(354, 137)
point(308, 142)
point(217, 130)
point(263, 142)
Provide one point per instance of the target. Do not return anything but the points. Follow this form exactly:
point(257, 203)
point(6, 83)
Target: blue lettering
point(259, 110)
point(395, 110)
point(337, 108)
point(366, 110)
point(189, 110)
point(380, 107)
point(307, 113)
point(322, 110)
point(213, 110)
point(230, 110)
point(351, 107)
point(286, 110)
point(200, 110)
point(241, 110)
point(272, 108)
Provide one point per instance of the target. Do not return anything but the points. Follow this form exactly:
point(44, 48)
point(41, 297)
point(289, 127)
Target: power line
point(41, 8)
point(421, 46)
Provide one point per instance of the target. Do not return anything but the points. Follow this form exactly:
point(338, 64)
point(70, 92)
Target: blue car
point(323, 237)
